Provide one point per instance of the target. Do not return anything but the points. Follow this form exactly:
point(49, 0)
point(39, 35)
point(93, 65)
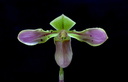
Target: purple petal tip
point(96, 36)
point(29, 37)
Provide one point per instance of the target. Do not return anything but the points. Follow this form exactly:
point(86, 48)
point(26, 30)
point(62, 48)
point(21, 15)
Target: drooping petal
point(63, 54)
point(33, 37)
point(62, 23)
point(92, 36)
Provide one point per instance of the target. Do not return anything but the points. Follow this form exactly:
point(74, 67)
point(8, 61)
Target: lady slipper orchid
point(62, 39)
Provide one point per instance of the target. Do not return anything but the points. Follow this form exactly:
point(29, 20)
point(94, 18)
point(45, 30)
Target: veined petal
point(33, 37)
point(62, 23)
point(63, 54)
point(92, 36)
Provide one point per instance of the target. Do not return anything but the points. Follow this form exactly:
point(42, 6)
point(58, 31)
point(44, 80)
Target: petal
point(97, 36)
point(62, 23)
point(63, 54)
point(93, 36)
point(33, 37)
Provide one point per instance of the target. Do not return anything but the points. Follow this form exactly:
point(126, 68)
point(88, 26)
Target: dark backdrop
point(103, 63)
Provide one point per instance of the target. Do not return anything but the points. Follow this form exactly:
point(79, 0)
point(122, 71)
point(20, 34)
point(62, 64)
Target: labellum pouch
point(63, 54)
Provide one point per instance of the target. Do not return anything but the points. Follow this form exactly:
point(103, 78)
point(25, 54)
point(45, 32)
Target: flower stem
point(61, 75)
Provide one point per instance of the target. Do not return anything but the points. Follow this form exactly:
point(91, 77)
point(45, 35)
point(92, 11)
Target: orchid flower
point(62, 39)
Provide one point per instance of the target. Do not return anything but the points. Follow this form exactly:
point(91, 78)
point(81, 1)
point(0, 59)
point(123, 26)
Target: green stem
point(61, 75)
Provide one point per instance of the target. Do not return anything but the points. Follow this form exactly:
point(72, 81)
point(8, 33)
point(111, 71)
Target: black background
point(103, 63)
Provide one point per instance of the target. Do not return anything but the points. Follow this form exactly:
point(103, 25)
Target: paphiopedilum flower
point(62, 39)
